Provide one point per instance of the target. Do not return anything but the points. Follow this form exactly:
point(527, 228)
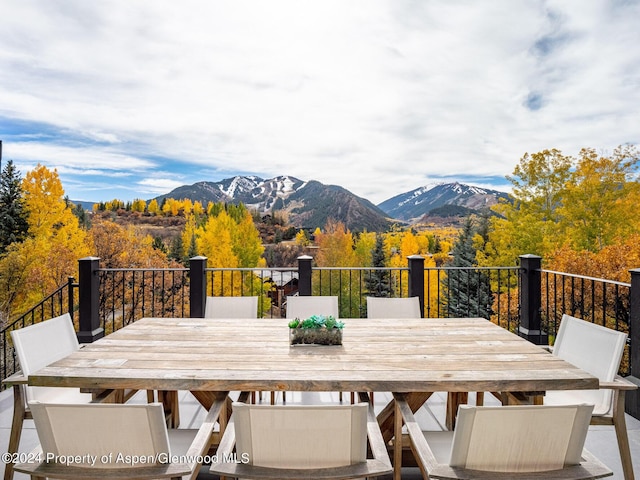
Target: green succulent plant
point(316, 321)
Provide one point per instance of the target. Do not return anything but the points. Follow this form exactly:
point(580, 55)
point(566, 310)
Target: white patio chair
point(37, 346)
point(597, 350)
point(304, 306)
point(381, 307)
point(510, 442)
point(302, 441)
point(115, 441)
point(231, 307)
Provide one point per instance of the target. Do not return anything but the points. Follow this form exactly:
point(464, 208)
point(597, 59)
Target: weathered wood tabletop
point(408, 355)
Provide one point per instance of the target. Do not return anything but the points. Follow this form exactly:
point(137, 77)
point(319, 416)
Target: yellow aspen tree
point(409, 245)
point(302, 239)
point(214, 240)
point(138, 205)
point(187, 206)
point(55, 239)
point(365, 244)
point(335, 246)
point(247, 244)
point(198, 209)
point(189, 232)
point(153, 208)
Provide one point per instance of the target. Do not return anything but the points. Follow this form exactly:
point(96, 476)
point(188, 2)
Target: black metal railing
point(61, 301)
point(597, 300)
point(129, 294)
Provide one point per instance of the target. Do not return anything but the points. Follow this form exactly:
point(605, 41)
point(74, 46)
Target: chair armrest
point(198, 448)
point(16, 379)
point(55, 470)
point(202, 441)
point(619, 383)
point(37, 466)
point(374, 435)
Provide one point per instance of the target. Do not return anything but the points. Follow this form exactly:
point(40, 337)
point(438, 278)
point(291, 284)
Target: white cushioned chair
point(597, 350)
point(302, 441)
point(382, 307)
point(37, 346)
point(115, 441)
point(231, 307)
point(304, 306)
point(505, 442)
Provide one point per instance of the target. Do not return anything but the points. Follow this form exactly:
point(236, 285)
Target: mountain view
point(414, 205)
point(309, 204)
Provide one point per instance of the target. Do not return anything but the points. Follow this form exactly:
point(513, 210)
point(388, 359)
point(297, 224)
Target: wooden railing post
point(416, 279)
point(304, 275)
point(197, 286)
point(632, 398)
point(531, 300)
point(89, 298)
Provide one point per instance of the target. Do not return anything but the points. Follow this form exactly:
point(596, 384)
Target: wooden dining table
point(412, 356)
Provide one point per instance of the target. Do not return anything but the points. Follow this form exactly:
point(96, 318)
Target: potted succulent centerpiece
point(316, 330)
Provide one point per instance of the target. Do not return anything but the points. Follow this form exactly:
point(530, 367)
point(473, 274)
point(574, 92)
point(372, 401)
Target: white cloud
point(378, 96)
point(78, 159)
point(158, 185)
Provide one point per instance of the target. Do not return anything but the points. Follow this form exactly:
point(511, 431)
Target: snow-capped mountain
point(417, 203)
point(308, 204)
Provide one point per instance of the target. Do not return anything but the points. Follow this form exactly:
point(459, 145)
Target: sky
point(131, 98)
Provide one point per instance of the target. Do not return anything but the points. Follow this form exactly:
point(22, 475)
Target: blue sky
point(130, 99)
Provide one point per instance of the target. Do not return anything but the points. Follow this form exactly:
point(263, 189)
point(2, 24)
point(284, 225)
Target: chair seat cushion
point(575, 397)
point(60, 395)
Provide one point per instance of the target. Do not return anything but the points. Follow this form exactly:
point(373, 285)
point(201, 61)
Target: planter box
point(315, 336)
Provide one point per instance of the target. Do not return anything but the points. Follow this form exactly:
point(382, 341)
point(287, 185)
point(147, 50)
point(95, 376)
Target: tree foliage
point(13, 217)
point(584, 203)
point(378, 282)
point(467, 291)
point(49, 255)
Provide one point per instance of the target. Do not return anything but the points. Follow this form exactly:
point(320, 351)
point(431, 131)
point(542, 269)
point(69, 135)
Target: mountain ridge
point(413, 205)
point(310, 204)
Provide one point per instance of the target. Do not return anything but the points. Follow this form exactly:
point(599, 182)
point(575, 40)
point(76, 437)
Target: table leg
point(397, 443)
point(387, 415)
point(16, 427)
point(454, 400)
point(169, 400)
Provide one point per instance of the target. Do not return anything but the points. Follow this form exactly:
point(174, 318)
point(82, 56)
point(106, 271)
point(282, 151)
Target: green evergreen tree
point(378, 282)
point(83, 219)
point(13, 216)
point(177, 247)
point(467, 291)
point(158, 244)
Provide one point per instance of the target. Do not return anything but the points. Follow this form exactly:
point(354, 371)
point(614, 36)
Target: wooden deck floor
point(600, 441)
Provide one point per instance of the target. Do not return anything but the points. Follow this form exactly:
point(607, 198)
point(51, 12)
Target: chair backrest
point(301, 436)
point(519, 438)
point(593, 348)
point(305, 306)
point(96, 434)
point(41, 344)
point(231, 307)
point(380, 307)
